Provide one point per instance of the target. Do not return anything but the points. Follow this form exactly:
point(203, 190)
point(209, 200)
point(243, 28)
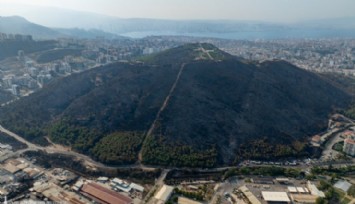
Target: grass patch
point(345, 200)
point(338, 146)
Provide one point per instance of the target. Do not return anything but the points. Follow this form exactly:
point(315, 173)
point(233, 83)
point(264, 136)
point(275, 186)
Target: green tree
point(330, 193)
point(323, 185)
point(351, 191)
point(320, 200)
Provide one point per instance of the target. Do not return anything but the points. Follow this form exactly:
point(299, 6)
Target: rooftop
point(275, 196)
point(301, 190)
point(304, 198)
point(137, 187)
point(282, 179)
point(316, 138)
point(314, 190)
point(182, 200)
point(251, 197)
point(349, 141)
point(105, 195)
point(343, 185)
point(11, 168)
point(292, 189)
point(348, 133)
point(164, 193)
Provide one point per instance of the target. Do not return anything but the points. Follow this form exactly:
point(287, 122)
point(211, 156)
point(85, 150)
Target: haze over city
point(258, 10)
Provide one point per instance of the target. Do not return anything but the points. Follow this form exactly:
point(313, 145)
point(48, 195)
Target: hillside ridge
point(178, 109)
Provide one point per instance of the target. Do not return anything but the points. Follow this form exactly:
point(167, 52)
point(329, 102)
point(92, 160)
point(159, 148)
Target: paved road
point(328, 152)
point(160, 180)
point(158, 184)
point(30, 145)
point(52, 149)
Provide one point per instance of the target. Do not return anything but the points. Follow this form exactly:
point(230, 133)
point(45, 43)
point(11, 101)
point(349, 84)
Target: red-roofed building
point(104, 195)
point(349, 146)
point(316, 140)
point(348, 133)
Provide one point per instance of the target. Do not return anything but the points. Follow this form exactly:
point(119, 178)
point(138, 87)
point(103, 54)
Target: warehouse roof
point(104, 195)
point(292, 189)
point(301, 190)
point(275, 196)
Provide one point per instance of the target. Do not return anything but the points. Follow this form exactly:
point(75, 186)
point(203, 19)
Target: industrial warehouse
point(279, 191)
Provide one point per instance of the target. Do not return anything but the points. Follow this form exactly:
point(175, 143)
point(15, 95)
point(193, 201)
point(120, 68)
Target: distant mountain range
point(192, 105)
point(89, 25)
point(19, 25)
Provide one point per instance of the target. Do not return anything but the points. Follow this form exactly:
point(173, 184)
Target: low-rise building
point(102, 179)
point(33, 172)
point(292, 189)
point(63, 176)
point(342, 185)
point(11, 168)
point(164, 194)
point(283, 180)
point(301, 190)
point(249, 195)
point(303, 198)
point(348, 133)
point(349, 146)
point(316, 140)
point(56, 194)
point(118, 184)
point(314, 190)
point(5, 146)
point(275, 197)
point(137, 187)
point(104, 195)
point(77, 186)
point(121, 185)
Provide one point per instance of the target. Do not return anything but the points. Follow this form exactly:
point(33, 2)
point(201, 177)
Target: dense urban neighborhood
point(27, 72)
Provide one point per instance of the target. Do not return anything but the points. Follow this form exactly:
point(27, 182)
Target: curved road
point(90, 161)
point(53, 150)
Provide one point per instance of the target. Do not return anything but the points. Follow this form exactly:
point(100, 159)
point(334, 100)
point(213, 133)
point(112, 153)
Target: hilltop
point(193, 105)
point(19, 25)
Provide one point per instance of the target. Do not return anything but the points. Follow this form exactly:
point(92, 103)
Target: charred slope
point(243, 111)
point(118, 97)
point(10, 48)
point(220, 111)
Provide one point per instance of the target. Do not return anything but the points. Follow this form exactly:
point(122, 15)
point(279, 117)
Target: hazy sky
point(265, 10)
